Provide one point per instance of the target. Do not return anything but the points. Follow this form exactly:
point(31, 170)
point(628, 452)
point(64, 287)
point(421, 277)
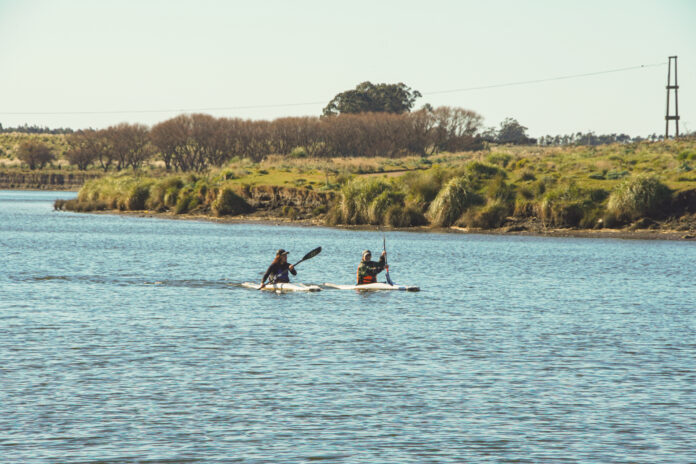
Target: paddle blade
point(309, 255)
point(312, 254)
point(389, 281)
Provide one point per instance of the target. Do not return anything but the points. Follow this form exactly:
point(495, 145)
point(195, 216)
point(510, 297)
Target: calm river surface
point(125, 339)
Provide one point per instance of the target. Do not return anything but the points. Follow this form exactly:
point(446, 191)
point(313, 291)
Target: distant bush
point(298, 152)
point(527, 175)
point(614, 175)
point(479, 170)
point(452, 201)
point(501, 159)
point(639, 196)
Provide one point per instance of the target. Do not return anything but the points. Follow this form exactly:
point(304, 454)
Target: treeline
point(195, 142)
point(34, 129)
point(592, 139)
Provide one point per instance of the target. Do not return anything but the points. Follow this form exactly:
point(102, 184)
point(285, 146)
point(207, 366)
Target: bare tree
point(82, 151)
point(35, 154)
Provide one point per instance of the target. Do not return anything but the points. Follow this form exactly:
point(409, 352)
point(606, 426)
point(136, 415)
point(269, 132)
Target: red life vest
point(368, 279)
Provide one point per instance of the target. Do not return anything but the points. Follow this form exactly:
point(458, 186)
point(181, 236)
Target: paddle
point(309, 255)
point(386, 266)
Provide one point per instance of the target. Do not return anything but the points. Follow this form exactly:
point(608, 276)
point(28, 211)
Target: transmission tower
point(672, 117)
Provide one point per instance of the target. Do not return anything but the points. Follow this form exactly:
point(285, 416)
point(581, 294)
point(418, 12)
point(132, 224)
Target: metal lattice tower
point(672, 117)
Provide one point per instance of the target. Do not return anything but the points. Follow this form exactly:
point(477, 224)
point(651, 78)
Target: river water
point(126, 339)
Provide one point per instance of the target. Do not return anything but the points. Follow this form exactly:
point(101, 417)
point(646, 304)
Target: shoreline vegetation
point(640, 190)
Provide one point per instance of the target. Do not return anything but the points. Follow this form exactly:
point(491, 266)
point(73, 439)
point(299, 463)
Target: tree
point(168, 136)
point(456, 129)
point(129, 144)
point(513, 132)
point(82, 151)
point(35, 154)
point(368, 97)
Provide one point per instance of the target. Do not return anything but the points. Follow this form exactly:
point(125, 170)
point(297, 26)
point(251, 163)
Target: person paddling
point(278, 270)
point(368, 270)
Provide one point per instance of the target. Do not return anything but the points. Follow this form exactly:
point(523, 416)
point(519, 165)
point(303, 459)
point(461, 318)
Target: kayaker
point(368, 270)
point(278, 270)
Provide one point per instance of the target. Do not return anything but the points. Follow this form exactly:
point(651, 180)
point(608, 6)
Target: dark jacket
point(368, 270)
point(279, 273)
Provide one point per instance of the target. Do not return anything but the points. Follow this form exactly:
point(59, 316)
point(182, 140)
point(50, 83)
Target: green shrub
point(525, 208)
point(639, 196)
point(614, 175)
point(289, 212)
point(187, 201)
point(422, 187)
point(137, 197)
point(404, 216)
point(452, 201)
point(501, 159)
point(228, 203)
point(479, 170)
point(491, 216)
point(381, 204)
point(356, 198)
point(571, 206)
point(319, 210)
point(298, 152)
point(499, 190)
point(527, 175)
point(526, 192)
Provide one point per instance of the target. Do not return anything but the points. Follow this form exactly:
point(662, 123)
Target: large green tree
point(378, 98)
point(513, 132)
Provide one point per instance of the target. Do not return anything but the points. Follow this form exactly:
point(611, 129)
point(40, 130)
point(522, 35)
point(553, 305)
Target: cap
point(281, 252)
point(366, 252)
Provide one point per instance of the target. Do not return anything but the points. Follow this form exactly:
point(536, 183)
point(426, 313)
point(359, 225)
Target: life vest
point(368, 279)
point(282, 276)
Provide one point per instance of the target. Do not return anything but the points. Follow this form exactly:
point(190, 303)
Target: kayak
point(374, 287)
point(283, 287)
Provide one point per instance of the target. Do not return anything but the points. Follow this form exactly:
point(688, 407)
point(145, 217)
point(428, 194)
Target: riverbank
point(44, 180)
point(532, 228)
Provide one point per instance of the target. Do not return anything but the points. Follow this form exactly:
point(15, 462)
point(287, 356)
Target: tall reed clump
point(164, 193)
point(117, 192)
point(639, 196)
point(385, 201)
point(500, 201)
point(572, 206)
point(453, 200)
point(356, 198)
point(138, 195)
point(229, 203)
point(422, 187)
point(376, 202)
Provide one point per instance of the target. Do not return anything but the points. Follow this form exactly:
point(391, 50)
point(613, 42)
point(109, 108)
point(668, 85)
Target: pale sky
point(97, 63)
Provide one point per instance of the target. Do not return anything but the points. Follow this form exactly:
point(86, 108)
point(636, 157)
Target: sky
point(83, 63)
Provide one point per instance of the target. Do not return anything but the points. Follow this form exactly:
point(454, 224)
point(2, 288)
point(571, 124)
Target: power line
point(548, 79)
point(283, 105)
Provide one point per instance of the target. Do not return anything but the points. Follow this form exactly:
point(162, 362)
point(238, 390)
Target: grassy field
point(581, 187)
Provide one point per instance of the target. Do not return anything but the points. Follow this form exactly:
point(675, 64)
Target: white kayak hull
point(283, 287)
point(374, 287)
